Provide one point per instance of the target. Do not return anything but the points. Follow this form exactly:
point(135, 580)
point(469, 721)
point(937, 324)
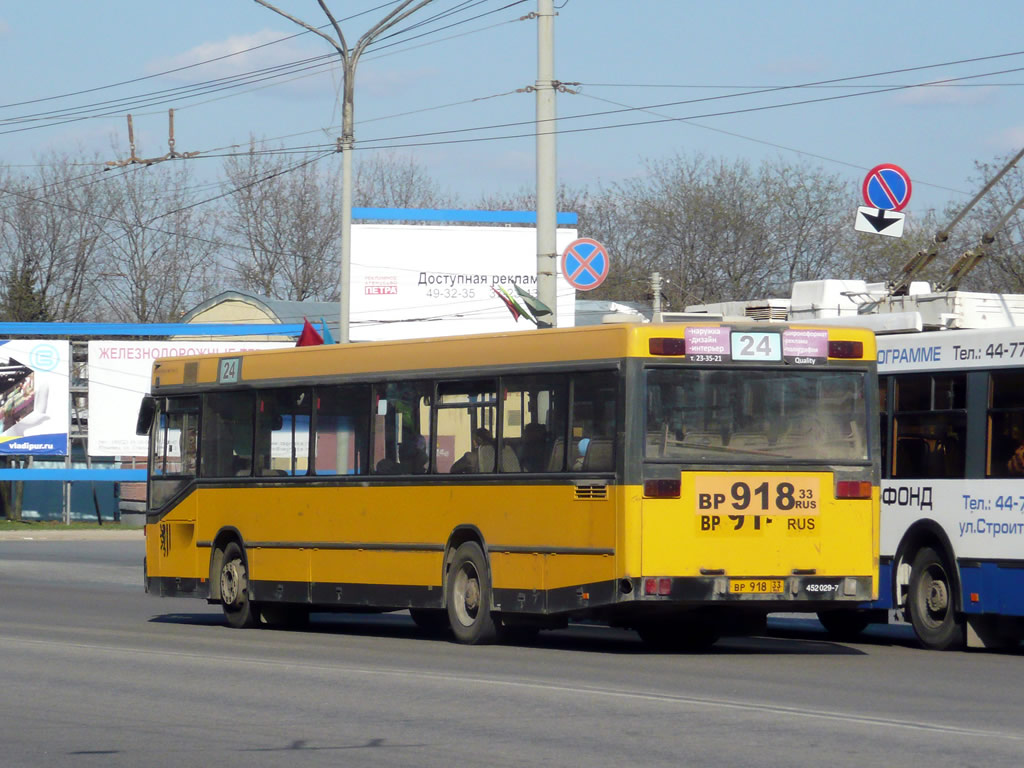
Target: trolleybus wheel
point(844, 624)
point(931, 603)
point(469, 596)
point(432, 621)
point(234, 589)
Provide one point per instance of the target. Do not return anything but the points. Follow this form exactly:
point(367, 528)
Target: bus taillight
point(662, 586)
point(662, 488)
point(853, 489)
point(846, 349)
point(667, 346)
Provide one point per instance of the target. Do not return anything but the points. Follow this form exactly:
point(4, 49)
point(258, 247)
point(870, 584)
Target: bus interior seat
point(598, 455)
point(485, 459)
point(557, 461)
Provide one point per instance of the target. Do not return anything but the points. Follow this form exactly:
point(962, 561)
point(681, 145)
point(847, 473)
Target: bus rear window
point(732, 416)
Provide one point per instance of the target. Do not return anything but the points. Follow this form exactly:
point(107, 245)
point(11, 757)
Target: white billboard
point(34, 397)
point(119, 376)
point(413, 281)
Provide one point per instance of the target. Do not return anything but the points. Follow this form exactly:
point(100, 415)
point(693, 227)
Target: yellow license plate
point(756, 586)
point(756, 494)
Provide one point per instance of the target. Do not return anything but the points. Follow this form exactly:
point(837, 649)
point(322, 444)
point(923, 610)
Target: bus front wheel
point(469, 596)
point(234, 589)
point(932, 603)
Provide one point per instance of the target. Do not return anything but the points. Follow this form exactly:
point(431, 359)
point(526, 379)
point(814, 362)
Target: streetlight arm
point(395, 16)
point(342, 48)
point(337, 29)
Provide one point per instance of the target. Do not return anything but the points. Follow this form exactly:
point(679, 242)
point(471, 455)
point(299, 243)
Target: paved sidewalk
point(111, 533)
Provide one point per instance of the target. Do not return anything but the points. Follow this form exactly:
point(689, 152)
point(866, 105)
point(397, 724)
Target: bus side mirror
point(147, 409)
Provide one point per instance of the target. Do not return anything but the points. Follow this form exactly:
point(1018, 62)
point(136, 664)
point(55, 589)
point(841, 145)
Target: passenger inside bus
point(533, 453)
point(412, 456)
point(481, 457)
point(1006, 452)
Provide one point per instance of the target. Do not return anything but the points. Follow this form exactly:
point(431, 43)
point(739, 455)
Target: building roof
point(268, 309)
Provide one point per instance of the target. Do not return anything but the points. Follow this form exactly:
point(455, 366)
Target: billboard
point(119, 376)
point(414, 281)
point(34, 417)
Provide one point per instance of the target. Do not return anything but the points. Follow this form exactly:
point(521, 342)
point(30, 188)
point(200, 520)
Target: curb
point(114, 534)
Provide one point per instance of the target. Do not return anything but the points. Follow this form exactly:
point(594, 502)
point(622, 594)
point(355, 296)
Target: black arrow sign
point(878, 220)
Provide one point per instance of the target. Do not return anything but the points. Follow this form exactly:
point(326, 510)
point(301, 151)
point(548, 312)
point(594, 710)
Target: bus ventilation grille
point(767, 312)
point(586, 492)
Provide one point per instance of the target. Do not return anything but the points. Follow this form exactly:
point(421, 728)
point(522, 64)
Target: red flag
point(508, 303)
point(309, 337)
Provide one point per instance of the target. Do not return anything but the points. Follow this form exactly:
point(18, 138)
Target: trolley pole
point(547, 289)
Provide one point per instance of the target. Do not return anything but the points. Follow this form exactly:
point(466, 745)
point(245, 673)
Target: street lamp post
point(349, 59)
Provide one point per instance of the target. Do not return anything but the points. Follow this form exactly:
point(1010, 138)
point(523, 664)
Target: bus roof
point(511, 349)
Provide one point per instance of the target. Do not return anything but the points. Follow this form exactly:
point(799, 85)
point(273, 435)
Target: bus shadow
point(196, 619)
point(588, 638)
point(879, 635)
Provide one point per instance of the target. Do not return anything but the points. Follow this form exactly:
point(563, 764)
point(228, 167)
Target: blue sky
point(625, 53)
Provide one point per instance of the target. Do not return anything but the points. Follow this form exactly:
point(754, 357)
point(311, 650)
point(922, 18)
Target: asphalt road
point(95, 673)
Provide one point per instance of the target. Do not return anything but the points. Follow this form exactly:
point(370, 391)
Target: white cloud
point(944, 96)
point(234, 56)
point(1011, 138)
point(4, 28)
point(268, 55)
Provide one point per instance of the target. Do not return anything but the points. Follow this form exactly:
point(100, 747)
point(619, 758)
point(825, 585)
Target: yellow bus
point(679, 479)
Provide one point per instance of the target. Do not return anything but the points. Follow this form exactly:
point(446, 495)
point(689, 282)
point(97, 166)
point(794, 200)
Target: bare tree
point(50, 227)
point(389, 180)
point(1002, 268)
point(160, 257)
point(285, 216)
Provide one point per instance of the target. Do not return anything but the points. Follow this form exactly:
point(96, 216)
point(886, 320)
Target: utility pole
point(547, 288)
point(349, 59)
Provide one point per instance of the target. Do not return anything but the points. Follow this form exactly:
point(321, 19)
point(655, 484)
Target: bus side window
point(466, 414)
point(535, 416)
point(227, 434)
point(1006, 424)
point(594, 409)
point(929, 425)
point(342, 430)
point(400, 431)
point(282, 432)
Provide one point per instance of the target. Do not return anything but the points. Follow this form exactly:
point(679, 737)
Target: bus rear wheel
point(931, 603)
point(234, 589)
point(469, 597)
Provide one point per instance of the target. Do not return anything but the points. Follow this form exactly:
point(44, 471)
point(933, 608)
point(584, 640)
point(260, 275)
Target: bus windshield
point(744, 415)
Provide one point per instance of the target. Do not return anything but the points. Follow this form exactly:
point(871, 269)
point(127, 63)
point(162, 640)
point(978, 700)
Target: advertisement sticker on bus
point(707, 345)
point(805, 346)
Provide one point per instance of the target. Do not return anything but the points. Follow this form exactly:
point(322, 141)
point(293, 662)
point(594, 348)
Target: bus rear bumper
point(173, 586)
point(767, 589)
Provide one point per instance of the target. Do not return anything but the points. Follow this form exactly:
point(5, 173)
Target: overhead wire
point(187, 66)
point(113, 107)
